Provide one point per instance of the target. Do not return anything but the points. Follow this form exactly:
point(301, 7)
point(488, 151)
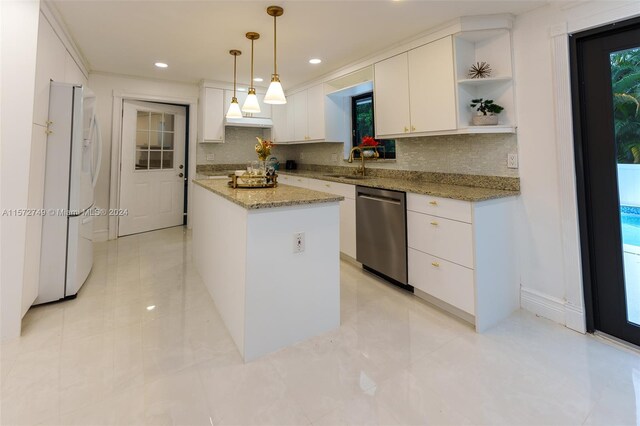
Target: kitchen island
point(270, 292)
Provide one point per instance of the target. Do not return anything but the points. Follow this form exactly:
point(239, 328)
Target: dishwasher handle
point(380, 199)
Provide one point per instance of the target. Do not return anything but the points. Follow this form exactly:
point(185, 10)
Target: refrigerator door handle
point(98, 135)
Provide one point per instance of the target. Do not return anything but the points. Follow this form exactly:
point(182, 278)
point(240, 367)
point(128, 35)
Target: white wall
point(19, 32)
point(629, 184)
point(548, 242)
point(104, 86)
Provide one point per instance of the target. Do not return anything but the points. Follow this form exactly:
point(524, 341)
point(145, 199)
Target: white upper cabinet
point(279, 131)
point(50, 64)
point(427, 90)
point(300, 126)
point(304, 119)
point(391, 96)
point(315, 113)
point(211, 115)
point(432, 87)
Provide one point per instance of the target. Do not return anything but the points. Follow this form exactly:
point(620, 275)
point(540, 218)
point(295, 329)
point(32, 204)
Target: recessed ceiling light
point(151, 308)
point(161, 65)
point(258, 79)
point(241, 89)
point(315, 61)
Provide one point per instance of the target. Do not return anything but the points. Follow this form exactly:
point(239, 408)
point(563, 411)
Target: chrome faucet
point(360, 169)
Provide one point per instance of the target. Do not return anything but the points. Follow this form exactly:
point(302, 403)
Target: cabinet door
point(391, 96)
point(291, 117)
point(50, 60)
point(431, 80)
point(348, 227)
point(279, 133)
point(300, 130)
point(315, 112)
point(213, 127)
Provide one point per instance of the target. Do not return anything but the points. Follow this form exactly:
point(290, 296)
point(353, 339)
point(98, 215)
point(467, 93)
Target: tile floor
point(143, 344)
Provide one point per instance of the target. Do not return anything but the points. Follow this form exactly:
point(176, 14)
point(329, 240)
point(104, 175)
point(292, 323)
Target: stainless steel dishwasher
point(381, 233)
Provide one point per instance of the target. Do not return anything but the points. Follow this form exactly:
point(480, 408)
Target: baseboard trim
point(552, 308)
point(100, 235)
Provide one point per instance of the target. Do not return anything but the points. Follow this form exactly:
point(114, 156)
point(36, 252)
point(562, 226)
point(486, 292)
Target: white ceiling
point(194, 37)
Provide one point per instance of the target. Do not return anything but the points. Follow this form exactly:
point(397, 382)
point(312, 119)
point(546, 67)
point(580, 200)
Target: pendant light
point(275, 94)
point(234, 108)
point(251, 104)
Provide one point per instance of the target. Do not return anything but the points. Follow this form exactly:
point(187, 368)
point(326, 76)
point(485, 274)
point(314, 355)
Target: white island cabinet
point(269, 293)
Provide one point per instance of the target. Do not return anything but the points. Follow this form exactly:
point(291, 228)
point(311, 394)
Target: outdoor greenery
point(364, 126)
point(625, 82)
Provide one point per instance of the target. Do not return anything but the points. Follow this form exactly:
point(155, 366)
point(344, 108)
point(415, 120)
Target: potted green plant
point(487, 112)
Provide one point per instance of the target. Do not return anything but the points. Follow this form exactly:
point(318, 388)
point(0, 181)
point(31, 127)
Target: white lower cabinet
point(444, 280)
point(462, 253)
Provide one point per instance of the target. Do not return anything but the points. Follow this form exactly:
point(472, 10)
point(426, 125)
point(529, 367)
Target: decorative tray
point(253, 182)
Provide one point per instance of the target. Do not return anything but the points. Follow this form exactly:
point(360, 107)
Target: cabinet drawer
point(444, 280)
point(294, 180)
point(336, 188)
point(444, 238)
point(442, 207)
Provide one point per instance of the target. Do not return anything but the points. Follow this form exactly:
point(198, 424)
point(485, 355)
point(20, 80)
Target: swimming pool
point(630, 218)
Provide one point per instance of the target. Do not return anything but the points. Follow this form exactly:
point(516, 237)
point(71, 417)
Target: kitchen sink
point(357, 177)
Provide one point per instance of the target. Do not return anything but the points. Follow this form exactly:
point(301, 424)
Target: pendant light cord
point(235, 61)
point(251, 83)
point(275, 58)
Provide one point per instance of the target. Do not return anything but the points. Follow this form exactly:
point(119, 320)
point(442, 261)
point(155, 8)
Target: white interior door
point(152, 167)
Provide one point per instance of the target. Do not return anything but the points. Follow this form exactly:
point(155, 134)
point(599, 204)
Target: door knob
point(180, 175)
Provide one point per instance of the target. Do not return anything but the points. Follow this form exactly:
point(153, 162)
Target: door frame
point(582, 190)
point(116, 146)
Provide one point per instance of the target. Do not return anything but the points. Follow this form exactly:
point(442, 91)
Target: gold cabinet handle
point(413, 129)
point(434, 223)
point(433, 203)
point(327, 185)
point(406, 129)
point(436, 264)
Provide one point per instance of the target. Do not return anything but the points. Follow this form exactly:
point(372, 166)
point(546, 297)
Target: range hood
point(265, 123)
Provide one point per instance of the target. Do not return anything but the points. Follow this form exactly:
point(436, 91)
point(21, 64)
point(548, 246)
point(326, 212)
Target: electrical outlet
point(298, 242)
point(334, 157)
point(512, 161)
point(211, 157)
point(302, 155)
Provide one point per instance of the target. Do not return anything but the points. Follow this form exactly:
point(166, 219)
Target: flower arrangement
point(369, 141)
point(263, 148)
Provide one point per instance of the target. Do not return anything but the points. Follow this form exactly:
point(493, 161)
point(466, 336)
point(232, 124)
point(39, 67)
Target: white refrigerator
point(71, 173)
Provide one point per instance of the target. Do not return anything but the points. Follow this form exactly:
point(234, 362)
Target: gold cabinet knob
point(433, 203)
point(406, 129)
point(436, 264)
point(434, 223)
point(413, 129)
point(327, 185)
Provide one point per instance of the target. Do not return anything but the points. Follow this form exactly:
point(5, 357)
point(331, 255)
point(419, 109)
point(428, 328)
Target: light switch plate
point(211, 157)
point(512, 161)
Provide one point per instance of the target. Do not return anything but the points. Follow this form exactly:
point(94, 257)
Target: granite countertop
point(444, 190)
point(266, 198)
point(454, 186)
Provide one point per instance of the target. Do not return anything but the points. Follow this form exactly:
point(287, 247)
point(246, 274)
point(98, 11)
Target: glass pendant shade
point(251, 104)
point(234, 109)
point(275, 94)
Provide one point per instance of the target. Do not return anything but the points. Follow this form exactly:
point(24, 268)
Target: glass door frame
point(584, 196)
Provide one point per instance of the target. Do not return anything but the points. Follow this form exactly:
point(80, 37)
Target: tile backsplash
point(238, 146)
point(464, 154)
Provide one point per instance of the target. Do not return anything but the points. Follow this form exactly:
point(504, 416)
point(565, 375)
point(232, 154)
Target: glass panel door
point(625, 85)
